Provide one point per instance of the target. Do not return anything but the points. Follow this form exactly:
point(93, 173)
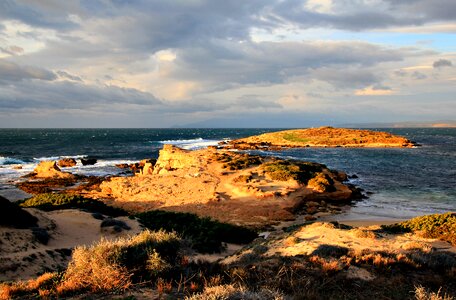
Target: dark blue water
point(404, 182)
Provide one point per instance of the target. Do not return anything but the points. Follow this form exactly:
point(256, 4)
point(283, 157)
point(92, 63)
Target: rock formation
point(88, 161)
point(49, 169)
point(172, 158)
point(321, 137)
point(228, 186)
point(66, 162)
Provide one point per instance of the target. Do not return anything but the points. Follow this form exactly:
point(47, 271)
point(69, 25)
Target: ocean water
point(403, 182)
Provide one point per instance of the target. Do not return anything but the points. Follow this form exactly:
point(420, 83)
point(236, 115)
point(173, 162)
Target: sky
point(230, 63)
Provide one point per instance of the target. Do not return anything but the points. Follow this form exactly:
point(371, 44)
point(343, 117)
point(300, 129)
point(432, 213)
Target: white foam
point(192, 144)
point(10, 161)
point(46, 158)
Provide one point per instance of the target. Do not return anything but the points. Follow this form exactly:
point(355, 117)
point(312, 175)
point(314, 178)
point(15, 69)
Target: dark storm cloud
point(70, 95)
point(442, 63)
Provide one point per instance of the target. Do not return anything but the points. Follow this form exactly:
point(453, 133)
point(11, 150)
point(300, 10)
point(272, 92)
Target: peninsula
point(322, 137)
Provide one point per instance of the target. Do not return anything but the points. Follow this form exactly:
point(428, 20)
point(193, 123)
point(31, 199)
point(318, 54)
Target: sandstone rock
point(67, 162)
point(148, 169)
point(49, 169)
point(172, 158)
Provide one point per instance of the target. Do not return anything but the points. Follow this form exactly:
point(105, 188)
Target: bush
point(438, 226)
point(284, 170)
point(50, 202)
point(12, 215)
point(205, 234)
point(321, 182)
point(234, 161)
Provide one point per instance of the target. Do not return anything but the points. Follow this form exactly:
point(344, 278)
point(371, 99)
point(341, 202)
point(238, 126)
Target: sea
point(400, 182)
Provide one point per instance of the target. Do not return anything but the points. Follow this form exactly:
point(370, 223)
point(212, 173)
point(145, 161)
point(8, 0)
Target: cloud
point(70, 95)
point(442, 63)
point(12, 50)
point(12, 72)
point(200, 58)
point(222, 65)
point(66, 75)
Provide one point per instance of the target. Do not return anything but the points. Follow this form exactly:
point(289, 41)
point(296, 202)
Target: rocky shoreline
point(78, 218)
point(230, 187)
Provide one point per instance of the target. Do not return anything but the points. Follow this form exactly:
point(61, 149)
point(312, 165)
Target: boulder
point(66, 162)
point(13, 215)
point(49, 169)
point(88, 161)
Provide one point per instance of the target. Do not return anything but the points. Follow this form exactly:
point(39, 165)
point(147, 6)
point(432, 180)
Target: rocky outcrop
point(147, 169)
point(321, 137)
point(49, 169)
point(228, 186)
point(173, 158)
point(88, 161)
point(66, 162)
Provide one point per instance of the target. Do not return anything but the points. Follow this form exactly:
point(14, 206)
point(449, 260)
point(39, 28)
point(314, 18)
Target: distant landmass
point(430, 124)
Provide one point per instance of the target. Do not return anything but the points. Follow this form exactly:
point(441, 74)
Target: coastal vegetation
point(13, 215)
point(52, 201)
point(438, 226)
point(284, 170)
point(205, 235)
point(237, 161)
point(289, 266)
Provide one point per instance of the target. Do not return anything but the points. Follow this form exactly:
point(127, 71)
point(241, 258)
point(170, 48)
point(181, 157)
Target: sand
point(22, 256)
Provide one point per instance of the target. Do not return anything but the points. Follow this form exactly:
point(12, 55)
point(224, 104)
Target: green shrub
point(206, 235)
point(235, 161)
point(48, 202)
point(284, 170)
point(439, 226)
point(294, 138)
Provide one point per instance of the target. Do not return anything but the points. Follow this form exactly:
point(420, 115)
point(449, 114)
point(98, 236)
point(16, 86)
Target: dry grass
point(105, 267)
point(363, 233)
point(23, 289)
point(422, 294)
point(110, 265)
point(234, 292)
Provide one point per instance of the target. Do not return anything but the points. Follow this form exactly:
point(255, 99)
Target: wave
point(44, 158)
point(10, 161)
point(192, 144)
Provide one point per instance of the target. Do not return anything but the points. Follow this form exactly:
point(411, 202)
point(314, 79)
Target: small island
point(322, 137)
